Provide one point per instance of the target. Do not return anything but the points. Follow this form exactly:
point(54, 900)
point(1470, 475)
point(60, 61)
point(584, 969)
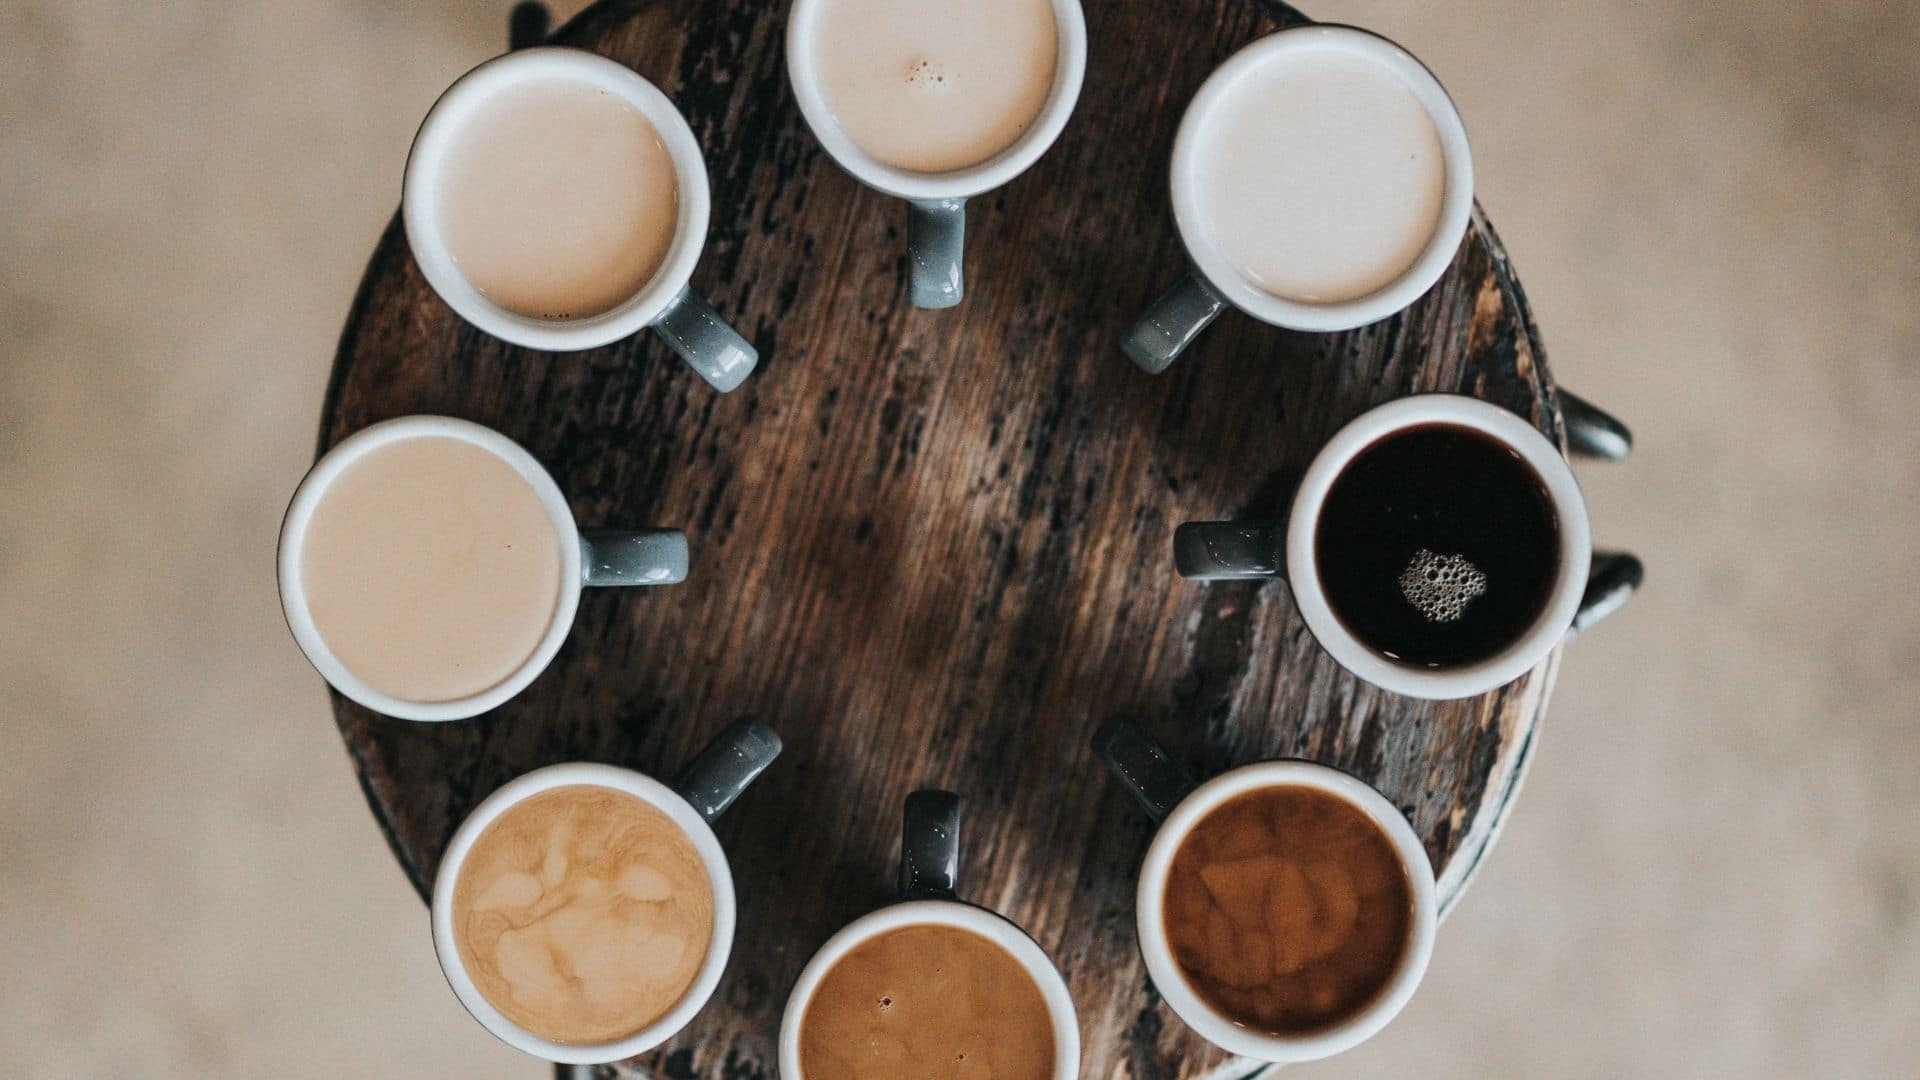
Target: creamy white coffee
point(932, 85)
point(557, 199)
point(1320, 175)
point(431, 569)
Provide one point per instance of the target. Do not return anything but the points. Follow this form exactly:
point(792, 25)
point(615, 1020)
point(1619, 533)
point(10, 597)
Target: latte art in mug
point(583, 914)
point(558, 199)
point(431, 569)
point(1322, 176)
point(934, 86)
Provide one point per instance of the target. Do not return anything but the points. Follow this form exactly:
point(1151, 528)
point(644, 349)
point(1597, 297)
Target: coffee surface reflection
point(583, 914)
point(1287, 909)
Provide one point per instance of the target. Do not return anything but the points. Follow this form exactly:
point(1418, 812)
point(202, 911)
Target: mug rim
point(645, 788)
point(299, 516)
point(420, 210)
point(1165, 972)
point(952, 913)
point(1541, 456)
point(1456, 205)
point(1070, 67)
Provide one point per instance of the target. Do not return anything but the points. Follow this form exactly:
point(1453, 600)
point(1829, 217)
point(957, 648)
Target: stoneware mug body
point(929, 871)
point(590, 557)
point(1167, 793)
point(1212, 281)
point(705, 788)
point(936, 202)
point(666, 303)
point(1226, 550)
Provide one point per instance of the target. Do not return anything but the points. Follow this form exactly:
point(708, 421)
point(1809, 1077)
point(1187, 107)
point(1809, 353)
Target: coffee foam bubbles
point(583, 914)
point(1441, 586)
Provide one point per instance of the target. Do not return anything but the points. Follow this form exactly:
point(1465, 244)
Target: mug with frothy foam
point(936, 102)
point(1285, 909)
point(930, 986)
point(430, 568)
point(1437, 546)
point(557, 200)
point(1321, 180)
point(584, 913)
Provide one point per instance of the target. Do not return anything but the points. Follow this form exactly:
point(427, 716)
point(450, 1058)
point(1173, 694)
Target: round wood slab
point(934, 548)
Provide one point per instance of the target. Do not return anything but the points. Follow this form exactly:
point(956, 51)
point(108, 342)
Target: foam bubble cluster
point(1441, 586)
point(926, 73)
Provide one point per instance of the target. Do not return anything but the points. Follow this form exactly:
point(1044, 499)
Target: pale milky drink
point(431, 569)
point(558, 199)
point(933, 86)
point(1320, 177)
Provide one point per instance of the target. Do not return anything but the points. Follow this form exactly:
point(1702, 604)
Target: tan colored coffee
point(930, 1003)
point(583, 914)
point(1287, 909)
point(1321, 177)
point(930, 85)
point(431, 569)
point(557, 199)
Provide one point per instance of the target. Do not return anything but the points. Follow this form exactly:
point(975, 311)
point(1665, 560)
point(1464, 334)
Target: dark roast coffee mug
point(1172, 798)
point(1586, 587)
point(929, 880)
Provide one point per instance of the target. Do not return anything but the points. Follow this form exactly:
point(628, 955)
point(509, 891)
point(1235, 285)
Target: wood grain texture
point(933, 548)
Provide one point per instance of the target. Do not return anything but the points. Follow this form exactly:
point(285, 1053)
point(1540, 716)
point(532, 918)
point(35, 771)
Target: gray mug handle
point(735, 758)
point(703, 339)
point(1232, 551)
point(1593, 432)
point(1143, 766)
point(632, 557)
point(1172, 323)
point(930, 845)
point(936, 249)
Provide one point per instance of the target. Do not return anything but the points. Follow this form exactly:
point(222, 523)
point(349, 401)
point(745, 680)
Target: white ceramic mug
point(1229, 550)
point(1179, 316)
point(929, 871)
point(1164, 788)
point(591, 557)
point(677, 314)
point(936, 202)
point(705, 788)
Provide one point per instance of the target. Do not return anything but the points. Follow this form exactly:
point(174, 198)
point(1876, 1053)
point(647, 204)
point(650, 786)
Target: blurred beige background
point(1714, 869)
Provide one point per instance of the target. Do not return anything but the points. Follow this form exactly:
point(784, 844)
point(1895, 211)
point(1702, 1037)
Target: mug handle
point(735, 758)
point(1171, 324)
point(632, 557)
point(930, 845)
point(1143, 766)
point(703, 339)
point(936, 249)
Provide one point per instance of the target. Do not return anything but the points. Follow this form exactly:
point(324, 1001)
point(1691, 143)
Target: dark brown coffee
point(1438, 546)
point(1287, 909)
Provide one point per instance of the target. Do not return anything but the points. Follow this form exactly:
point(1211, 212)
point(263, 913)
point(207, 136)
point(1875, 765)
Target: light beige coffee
point(557, 199)
point(931, 85)
point(1320, 177)
point(431, 569)
point(583, 914)
point(931, 1003)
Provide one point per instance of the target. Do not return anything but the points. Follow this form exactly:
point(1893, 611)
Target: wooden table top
point(934, 547)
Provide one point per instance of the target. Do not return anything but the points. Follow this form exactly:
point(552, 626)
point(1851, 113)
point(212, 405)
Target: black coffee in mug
point(1438, 546)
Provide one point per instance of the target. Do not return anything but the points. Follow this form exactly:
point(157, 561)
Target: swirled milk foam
point(934, 86)
point(1320, 177)
point(583, 914)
